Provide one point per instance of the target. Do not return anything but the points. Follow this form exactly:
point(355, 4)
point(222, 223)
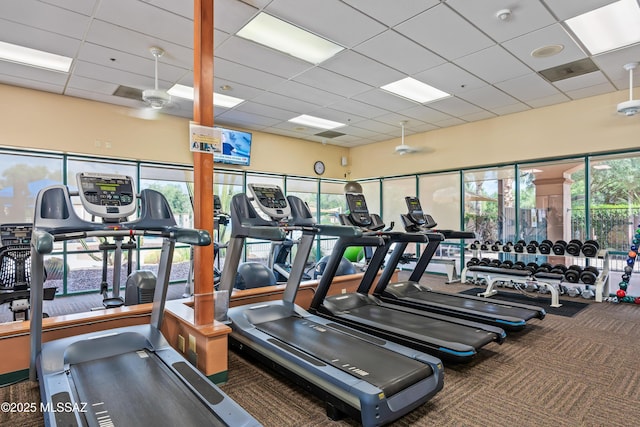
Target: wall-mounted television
point(236, 147)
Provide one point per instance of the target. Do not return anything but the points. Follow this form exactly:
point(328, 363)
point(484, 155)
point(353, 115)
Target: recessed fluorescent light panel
point(34, 58)
point(220, 100)
point(415, 90)
point(277, 34)
point(609, 27)
point(316, 122)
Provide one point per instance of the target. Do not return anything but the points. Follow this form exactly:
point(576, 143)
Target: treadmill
point(358, 375)
point(451, 339)
point(507, 315)
point(128, 375)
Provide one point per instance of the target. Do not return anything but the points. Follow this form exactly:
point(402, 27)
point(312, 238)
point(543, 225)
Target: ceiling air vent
point(128, 92)
point(566, 71)
point(329, 134)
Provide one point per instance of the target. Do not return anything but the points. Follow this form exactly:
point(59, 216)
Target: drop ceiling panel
point(400, 52)
point(394, 119)
point(284, 103)
point(474, 117)
point(483, 65)
point(231, 15)
point(392, 13)
point(266, 111)
point(24, 81)
point(330, 19)
point(91, 85)
point(34, 38)
point(119, 38)
point(423, 114)
point(380, 97)
point(488, 98)
point(227, 70)
point(360, 108)
point(451, 79)
point(99, 72)
point(147, 19)
point(582, 82)
point(522, 47)
point(526, 16)
point(564, 9)
point(96, 96)
point(444, 32)
point(337, 116)
point(85, 7)
point(236, 116)
point(45, 17)
point(591, 91)
point(455, 106)
point(379, 127)
point(510, 109)
point(256, 56)
point(306, 93)
point(612, 65)
point(332, 82)
point(548, 100)
point(237, 90)
point(528, 87)
point(361, 68)
point(31, 73)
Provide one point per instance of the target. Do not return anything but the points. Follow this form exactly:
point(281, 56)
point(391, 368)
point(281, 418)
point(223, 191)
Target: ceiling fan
point(632, 106)
point(403, 148)
point(156, 98)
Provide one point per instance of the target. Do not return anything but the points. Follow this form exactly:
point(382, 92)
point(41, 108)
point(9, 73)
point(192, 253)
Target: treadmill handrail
point(43, 240)
point(338, 230)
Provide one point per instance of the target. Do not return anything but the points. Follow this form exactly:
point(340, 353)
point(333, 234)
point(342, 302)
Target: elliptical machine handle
point(42, 242)
point(192, 236)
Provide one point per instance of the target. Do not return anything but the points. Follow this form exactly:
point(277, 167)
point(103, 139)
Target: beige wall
point(588, 125)
point(41, 120)
point(46, 121)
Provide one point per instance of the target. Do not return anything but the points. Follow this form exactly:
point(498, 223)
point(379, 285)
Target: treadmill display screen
point(359, 213)
point(270, 197)
point(107, 196)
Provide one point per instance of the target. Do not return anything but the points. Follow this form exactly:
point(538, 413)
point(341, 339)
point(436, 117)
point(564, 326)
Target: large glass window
point(22, 176)
point(394, 191)
point(371, 191)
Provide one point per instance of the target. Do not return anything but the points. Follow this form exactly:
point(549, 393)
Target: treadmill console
point(358, 211)
point(271, 200)
point(111, 197)
point(15, 234)
point(417, 215)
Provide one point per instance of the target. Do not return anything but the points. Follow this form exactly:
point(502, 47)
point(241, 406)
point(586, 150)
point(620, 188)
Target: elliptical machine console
point(271, 200)
point(110, 197)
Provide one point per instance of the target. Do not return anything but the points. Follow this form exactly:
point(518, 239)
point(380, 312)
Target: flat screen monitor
point(236, 147)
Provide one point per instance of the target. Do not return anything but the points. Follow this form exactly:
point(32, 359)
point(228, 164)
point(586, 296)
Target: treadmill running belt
point(488, 307)
point(420, 328)
point(135, 389)
point(389, 371)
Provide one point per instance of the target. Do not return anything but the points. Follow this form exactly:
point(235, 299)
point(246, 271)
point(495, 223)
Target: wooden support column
point(203, 162)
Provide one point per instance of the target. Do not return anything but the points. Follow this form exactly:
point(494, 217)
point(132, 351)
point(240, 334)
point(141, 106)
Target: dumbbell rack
point(601, 284)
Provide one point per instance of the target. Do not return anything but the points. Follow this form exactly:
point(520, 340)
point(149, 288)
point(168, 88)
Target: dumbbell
point(588, 294)
point(589, 275)
point(532, 247)
point(507, 247)
point(519, 265)
point(574, 292)
point(558, 269)
point(545, 267)
point(572, 274)
point(545, 247)
point(495, 263)
point(495, 247)
point(486, 245)
point(473, 261)
point(532, 267)
point(484, 262)
point(559, 247)
point(573, 247)
point(590, 248)
point(475, 245)
point(507, 263)
point(519, 246)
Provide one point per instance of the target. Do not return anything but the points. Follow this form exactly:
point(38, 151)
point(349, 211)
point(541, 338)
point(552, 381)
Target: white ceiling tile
point(335, 83)
point(305, 93)
point(265, 110)
point(91, 85)
point(581, 82)
point(231, 15)
point(395, 119)
point(526, 16)
point(453, 121)
point(488, 98)
point(399, 52)
point(232, 71)
point(284, 103)
point(509, 109)
point(256, 56)
point(612, 65)
point(85, 7)
point(330, 19)
point(360, 108)
point(45, 17)
point(237, 90)
point(424, 114)
point(548, 100)
point(455, 106)
point(99, 72)
point(361, 68)
point(474, 117)
point(144, 18)
point(564, 9)
point(592, 91)
point(522, 47)
point(444, 32)
point(391, 13)
point(483, 64)
point(30, 84)
point(528, 87)
point(379, 127)
point(338, 116)
point(34, 38)
point(450, 78)
point(110, 99)
point(33, 73)
point(236, 116)
point(380, 97)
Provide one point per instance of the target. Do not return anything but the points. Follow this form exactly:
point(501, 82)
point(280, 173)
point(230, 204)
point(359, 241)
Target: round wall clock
point(318, 167)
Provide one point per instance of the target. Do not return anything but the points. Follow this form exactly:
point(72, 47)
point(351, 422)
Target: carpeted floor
point(560, 371)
